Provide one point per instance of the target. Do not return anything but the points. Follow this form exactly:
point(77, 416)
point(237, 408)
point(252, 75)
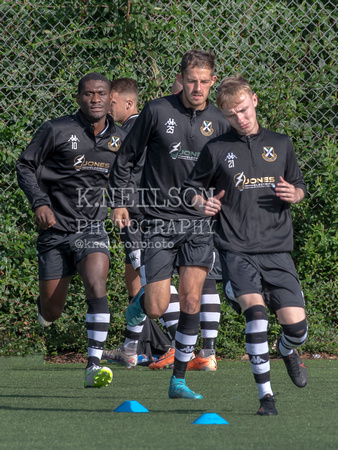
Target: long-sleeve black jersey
point(252, 218)
point(174, 137)
point(128, 124)
point(133, 209)
point(66, 167)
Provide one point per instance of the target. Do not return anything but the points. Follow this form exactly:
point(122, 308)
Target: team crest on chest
point(206, 128)
point(269, 154)
point(114, 144)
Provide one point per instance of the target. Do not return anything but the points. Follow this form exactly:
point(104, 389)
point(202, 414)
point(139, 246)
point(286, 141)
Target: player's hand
point(288, 192)
point(120, 217)
point(45, 217)
point(213, 205)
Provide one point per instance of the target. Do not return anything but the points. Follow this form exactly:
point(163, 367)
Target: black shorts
point(58, 252)
point(131, 238)
point(180, 242)
point(272, 275)
point(215, 272)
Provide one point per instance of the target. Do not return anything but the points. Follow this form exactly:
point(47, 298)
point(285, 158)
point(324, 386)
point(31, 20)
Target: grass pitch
point(45, 406)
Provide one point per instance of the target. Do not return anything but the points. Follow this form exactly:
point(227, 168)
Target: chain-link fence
point(286, 48)
point(288, 51)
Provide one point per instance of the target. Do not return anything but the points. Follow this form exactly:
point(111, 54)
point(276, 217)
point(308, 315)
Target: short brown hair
point(125, 86)
point(231, 88)
point(198, 58)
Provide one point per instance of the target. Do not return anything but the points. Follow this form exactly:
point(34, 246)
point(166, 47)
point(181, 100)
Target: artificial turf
point(45, 406)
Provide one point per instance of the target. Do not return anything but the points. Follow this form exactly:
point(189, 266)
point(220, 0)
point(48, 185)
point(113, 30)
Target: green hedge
point(286, 51)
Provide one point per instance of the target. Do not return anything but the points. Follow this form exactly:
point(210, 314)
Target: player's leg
point(52, 299)
point(195, 258)
point(169, 320)
point(131, 237)
point(240, 276)
point(129, 347)
point(93, 270)
point(152, 300)
point(190, 288)
point(294, 334)
point(132, 278)
point(55, 273)
point(209, 322)
point(257, 347)
point(126, 354)
point(155, 267)
point(285, 298)
point(158, 256)
point(171, 315)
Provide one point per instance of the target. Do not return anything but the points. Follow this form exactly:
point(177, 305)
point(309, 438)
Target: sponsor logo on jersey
point(80, 163)
point(170, 124)
point(242, 182)
point(177, 152)
point(231, 160)
point(74, 140)
point(206, 128)
point(114, 144)
point(269, 154)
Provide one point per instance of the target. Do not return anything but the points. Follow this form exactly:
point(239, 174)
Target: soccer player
point(210, 312)
point(255, 176)
point(64, 173)
point(174, 129)
point(123, 107)
point(124, 110)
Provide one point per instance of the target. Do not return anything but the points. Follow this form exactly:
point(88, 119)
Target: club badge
point(206, 128)
point(269, 154)
point(114, 144)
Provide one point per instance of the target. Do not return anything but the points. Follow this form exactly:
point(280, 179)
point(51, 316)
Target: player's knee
point(190, 303)
point(96, 289)
point(51, 312)
point(255, 312)
point(298, 331)
point(155, 311)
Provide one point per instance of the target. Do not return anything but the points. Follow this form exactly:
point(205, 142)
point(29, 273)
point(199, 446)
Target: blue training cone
point(210, 419)
point(131, 406)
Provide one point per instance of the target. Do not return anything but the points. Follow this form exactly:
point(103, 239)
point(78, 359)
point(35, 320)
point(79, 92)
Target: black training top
point(66, 167)
point(128, 124)
point(174, 137)
point(252, 219)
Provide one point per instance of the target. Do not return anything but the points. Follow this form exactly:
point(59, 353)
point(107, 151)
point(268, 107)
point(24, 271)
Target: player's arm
point(291, 187)
point(288, 192)
point(28, 164)
point(209, 207)
point(127, 158)
point(195, 189)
